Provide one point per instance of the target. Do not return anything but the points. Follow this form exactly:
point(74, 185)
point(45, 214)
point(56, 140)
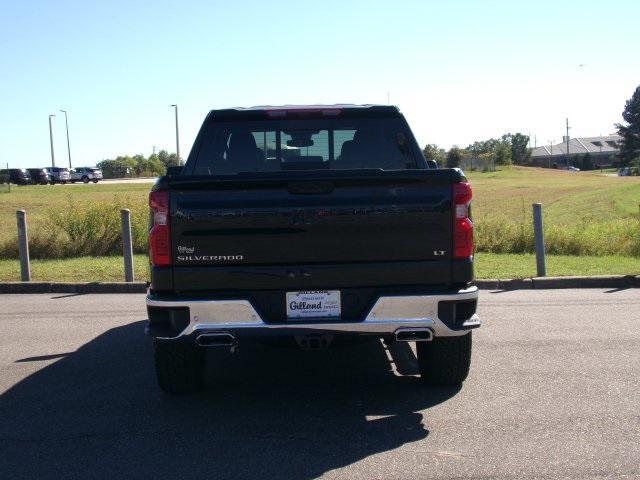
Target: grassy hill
point(565, 195)
point(41, 201)
point(585, 213)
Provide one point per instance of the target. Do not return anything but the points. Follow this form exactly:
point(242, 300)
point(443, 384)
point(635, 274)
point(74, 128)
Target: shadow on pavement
point(40, 358)
point(67, 295)
point(619, 289)
point(266, 413)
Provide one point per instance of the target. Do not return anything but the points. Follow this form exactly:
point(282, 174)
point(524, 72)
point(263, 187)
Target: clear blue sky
point(460, 70)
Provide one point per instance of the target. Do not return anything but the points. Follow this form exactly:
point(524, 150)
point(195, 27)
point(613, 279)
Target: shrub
point(84, 228)
point(499, 234)
point(454, 157)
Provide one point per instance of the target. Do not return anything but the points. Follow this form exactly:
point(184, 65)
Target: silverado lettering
point(209, 258)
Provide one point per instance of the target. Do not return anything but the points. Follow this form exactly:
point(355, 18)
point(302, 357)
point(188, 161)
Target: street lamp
point(53, 157)
point(177, 136)
point(66, 123)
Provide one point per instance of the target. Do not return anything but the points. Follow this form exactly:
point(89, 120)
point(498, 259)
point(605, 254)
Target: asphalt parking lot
point(114, 180)
point(554, 392)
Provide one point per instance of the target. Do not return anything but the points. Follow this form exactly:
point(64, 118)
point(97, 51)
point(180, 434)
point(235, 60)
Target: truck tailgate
point(278, 223)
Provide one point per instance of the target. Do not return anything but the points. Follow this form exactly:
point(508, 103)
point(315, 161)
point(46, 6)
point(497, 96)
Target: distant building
point(602, 151)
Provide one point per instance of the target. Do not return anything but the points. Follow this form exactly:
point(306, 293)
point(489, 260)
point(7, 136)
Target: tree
point(454, 157)
point(137, 165)
point(168, 159)
point(630, 133)
point(511, 147)
point(433, 152)
point(503, 153)
point(485, 146)
point(119, 167)
point(520, 152)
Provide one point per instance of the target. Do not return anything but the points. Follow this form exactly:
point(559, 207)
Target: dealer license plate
point(320, 303)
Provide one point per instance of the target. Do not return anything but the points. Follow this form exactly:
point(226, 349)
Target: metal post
point(53, 157)
point(568, 142)
point(538, 229)
point(66, 123)
point(23, 246)
point(177, 136)
point(127, 245)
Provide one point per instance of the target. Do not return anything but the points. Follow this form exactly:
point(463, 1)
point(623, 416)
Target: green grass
point(488, 265)
point(82, 269)
point(565, 195)
point(495, 265)
point(585, 213)
point(74, 220)
point(41, 200)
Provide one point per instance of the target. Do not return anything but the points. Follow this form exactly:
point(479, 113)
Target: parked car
point(39, 176)
point(571, 168)
point(351, 238)
point(19, 176)
point(85, 174)
point(58, 174)
point(624, 172)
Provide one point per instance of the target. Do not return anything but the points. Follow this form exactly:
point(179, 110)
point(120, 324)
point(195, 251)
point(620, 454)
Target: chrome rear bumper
point(389, 314)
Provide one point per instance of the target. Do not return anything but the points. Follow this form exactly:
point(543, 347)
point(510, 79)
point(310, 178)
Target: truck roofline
point(341, 110)
point(313, 106)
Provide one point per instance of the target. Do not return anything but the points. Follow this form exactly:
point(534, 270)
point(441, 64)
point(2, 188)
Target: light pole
point(53, 157)
point(177, 136)
point(568, 127)
point(66, 123)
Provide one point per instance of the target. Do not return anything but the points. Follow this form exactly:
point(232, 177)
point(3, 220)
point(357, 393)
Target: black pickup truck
point(315, 225)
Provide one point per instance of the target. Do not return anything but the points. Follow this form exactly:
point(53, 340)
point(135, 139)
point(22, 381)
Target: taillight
point(462, 224)
point(160, 233)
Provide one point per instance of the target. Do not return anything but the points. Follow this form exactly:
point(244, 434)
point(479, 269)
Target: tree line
point(511, 148)
point(138, 165)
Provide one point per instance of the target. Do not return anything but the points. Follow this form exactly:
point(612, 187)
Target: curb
point(549, 283)
point(536, 283)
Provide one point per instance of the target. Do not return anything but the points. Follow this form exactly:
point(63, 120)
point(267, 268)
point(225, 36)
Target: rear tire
point(179, 366)
point(85, 179)
point(444, 360)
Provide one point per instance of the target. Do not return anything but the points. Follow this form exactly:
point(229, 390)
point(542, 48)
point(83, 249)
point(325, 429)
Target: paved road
point(554, 392)
point(130, 180)
point(116, 180)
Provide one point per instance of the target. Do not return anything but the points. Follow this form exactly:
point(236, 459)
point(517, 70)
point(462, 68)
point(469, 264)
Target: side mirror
point(175, 170)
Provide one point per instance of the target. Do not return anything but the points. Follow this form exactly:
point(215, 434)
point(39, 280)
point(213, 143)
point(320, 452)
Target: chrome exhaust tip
point(216, 340)
point(413, 335)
